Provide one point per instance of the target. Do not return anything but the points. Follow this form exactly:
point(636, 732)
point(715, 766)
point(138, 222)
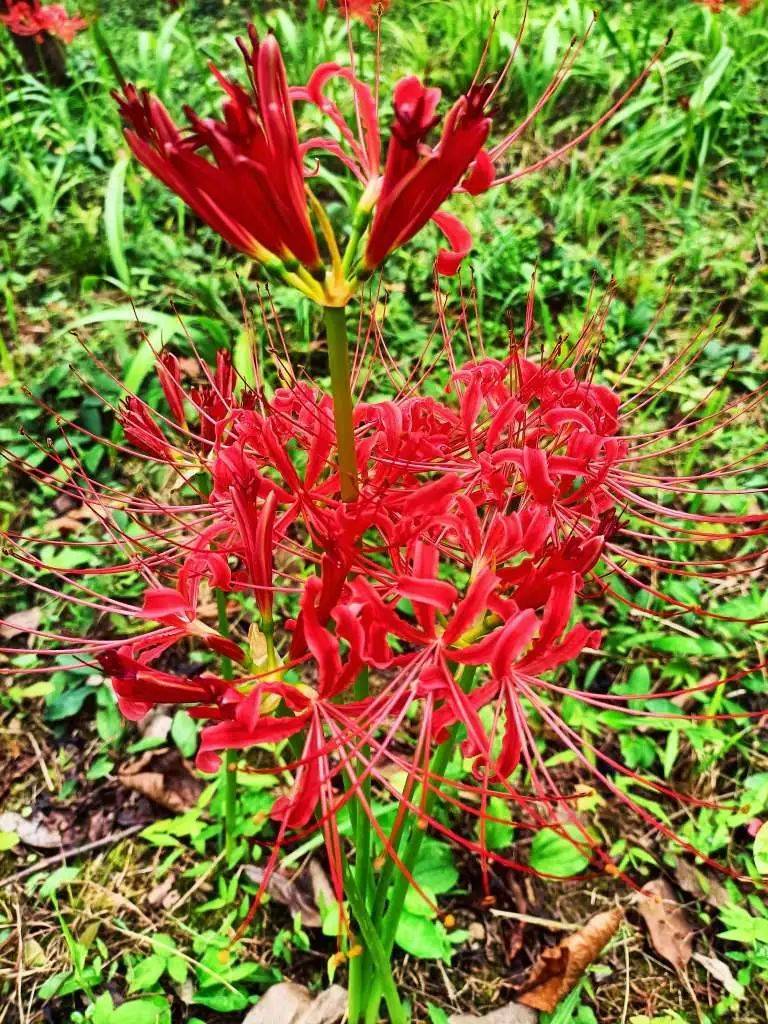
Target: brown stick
point(73, 851)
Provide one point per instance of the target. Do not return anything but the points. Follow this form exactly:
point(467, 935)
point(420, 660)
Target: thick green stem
point(359, 967)
point(341, 391)
point(229, 768)
point(385, 981)
point(388, 929)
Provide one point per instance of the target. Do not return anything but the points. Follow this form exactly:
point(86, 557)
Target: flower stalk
point(341, 391)
point(229, 765)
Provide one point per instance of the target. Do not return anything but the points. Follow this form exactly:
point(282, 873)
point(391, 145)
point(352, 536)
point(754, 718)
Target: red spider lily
point(32, 18)
point(245, 175)
point(251, 189)
point(417, 178)
point(367, 11)
point(718, 6)
point(481, 519)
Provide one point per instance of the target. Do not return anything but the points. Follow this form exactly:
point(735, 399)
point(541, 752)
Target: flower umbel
point(248, 175)
point(33, 18)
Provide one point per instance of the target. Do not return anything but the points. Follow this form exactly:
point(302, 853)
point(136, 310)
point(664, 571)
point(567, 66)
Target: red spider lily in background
point(246, 175)
point(718, 6)
point(32, 18)
point(367, 11)
point(481, 521)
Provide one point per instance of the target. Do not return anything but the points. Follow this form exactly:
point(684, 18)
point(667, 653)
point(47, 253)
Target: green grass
point(669, 200)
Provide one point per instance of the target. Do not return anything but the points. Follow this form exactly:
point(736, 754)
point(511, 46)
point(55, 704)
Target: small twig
point(200, 881)
point(41, 761)
point(73, 851)
point(555, 926)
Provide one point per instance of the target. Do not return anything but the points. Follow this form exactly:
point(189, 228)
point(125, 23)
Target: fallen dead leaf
point(31, 831)
point(721, 972)
point(19, 623)
point(559, 968)
point(514, 1013)
point(156, 725)
point(304, 893)
point(288, 1003)
point(700, 885)
point(164, 777)
point(669, 927)
point(71, 521)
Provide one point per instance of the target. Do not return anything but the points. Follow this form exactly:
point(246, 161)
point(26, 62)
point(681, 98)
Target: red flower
point(249, 187)
point(417, 179)
point(718, 6)
point(363, 10)
point(31, 18)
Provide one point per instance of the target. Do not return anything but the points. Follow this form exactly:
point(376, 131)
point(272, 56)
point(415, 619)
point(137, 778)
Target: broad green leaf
point(435, 869)
point(184, 733)
point(59, 877)
point(8, 840)
point(423, 938)
point(760, 849)
point(498, 834)
point(147, 973)
point(554, 854)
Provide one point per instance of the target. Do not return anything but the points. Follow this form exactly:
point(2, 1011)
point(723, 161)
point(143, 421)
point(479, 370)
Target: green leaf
point(142, 1011)
point(556, 855)
point(418, 904)
point(59, 877)
point(184, 733)
point(8, 840)
point(435, 869)
point(113, 219)
point(436, 1014)
point(51, 986)
point(760, 849)
point(423, 938)
point(498, 835)
point(100, 768)
point(147, 973)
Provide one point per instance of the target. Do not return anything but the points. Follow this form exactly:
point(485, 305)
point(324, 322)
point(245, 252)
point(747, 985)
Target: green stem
point(385, 981)
point(361, 827)
point(341, 390)
point(229, 768)
point(438, 766)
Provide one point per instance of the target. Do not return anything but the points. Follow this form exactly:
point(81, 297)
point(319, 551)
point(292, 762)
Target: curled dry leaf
point(669, 927)
point(721, 972)
point(513, 1013)
point(304, 893)
point(700, 885)
point(19, 623)
point(165, 778)
point(288, 1003)
point(559, 968)
point(31, 831)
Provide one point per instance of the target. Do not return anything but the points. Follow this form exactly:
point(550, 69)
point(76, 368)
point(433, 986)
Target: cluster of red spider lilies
point(32, 18)
point(396, 579)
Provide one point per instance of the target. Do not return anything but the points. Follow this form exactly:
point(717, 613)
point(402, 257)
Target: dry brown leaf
point(700, 885)
point(288, 1003)
point(165, 778)
point(19, 623)
point(304, 893)
point(669, 927)
point(721, 972)
point(514, 1013)
point(31, 831)
point(559, 968)
point(71, 521)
